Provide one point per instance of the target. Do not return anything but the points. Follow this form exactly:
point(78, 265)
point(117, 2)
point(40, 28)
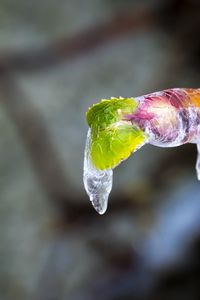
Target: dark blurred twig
point(35, 136)
point(70, 47)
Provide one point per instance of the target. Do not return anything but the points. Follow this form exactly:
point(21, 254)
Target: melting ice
point(98, 184)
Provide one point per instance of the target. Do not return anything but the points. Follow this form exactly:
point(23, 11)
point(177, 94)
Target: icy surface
point(169, 126)
point(198, 162)
point(98, 184)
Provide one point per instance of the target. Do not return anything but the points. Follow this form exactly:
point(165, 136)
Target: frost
point(98, 184)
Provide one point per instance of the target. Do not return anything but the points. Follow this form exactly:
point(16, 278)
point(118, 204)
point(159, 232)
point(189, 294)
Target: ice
point(98, 184)
point(165, 120)
point(198, 162)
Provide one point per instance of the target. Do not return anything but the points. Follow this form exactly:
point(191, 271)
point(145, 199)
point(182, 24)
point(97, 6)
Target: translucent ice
point(166, 118)
point(98, 184)
point(198, 162)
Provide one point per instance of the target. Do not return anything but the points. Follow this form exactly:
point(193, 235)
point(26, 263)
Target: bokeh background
point(57, 57)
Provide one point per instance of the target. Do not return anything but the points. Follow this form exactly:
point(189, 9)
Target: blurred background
point(57, 57)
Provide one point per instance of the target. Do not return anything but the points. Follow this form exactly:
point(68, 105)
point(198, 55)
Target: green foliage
point(113, 138)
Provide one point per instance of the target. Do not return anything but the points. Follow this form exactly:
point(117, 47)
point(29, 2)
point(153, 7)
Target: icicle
point(98, 184)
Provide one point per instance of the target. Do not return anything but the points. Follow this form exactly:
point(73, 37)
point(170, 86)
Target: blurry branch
point(37, 141)
point(70, 47)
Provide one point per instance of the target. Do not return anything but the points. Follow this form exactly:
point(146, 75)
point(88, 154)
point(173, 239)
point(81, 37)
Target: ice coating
point(171, 118)
point(167, 118)
point(98, 184)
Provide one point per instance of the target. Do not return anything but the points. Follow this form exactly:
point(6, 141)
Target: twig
point(35, 136)
point(70, 47)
